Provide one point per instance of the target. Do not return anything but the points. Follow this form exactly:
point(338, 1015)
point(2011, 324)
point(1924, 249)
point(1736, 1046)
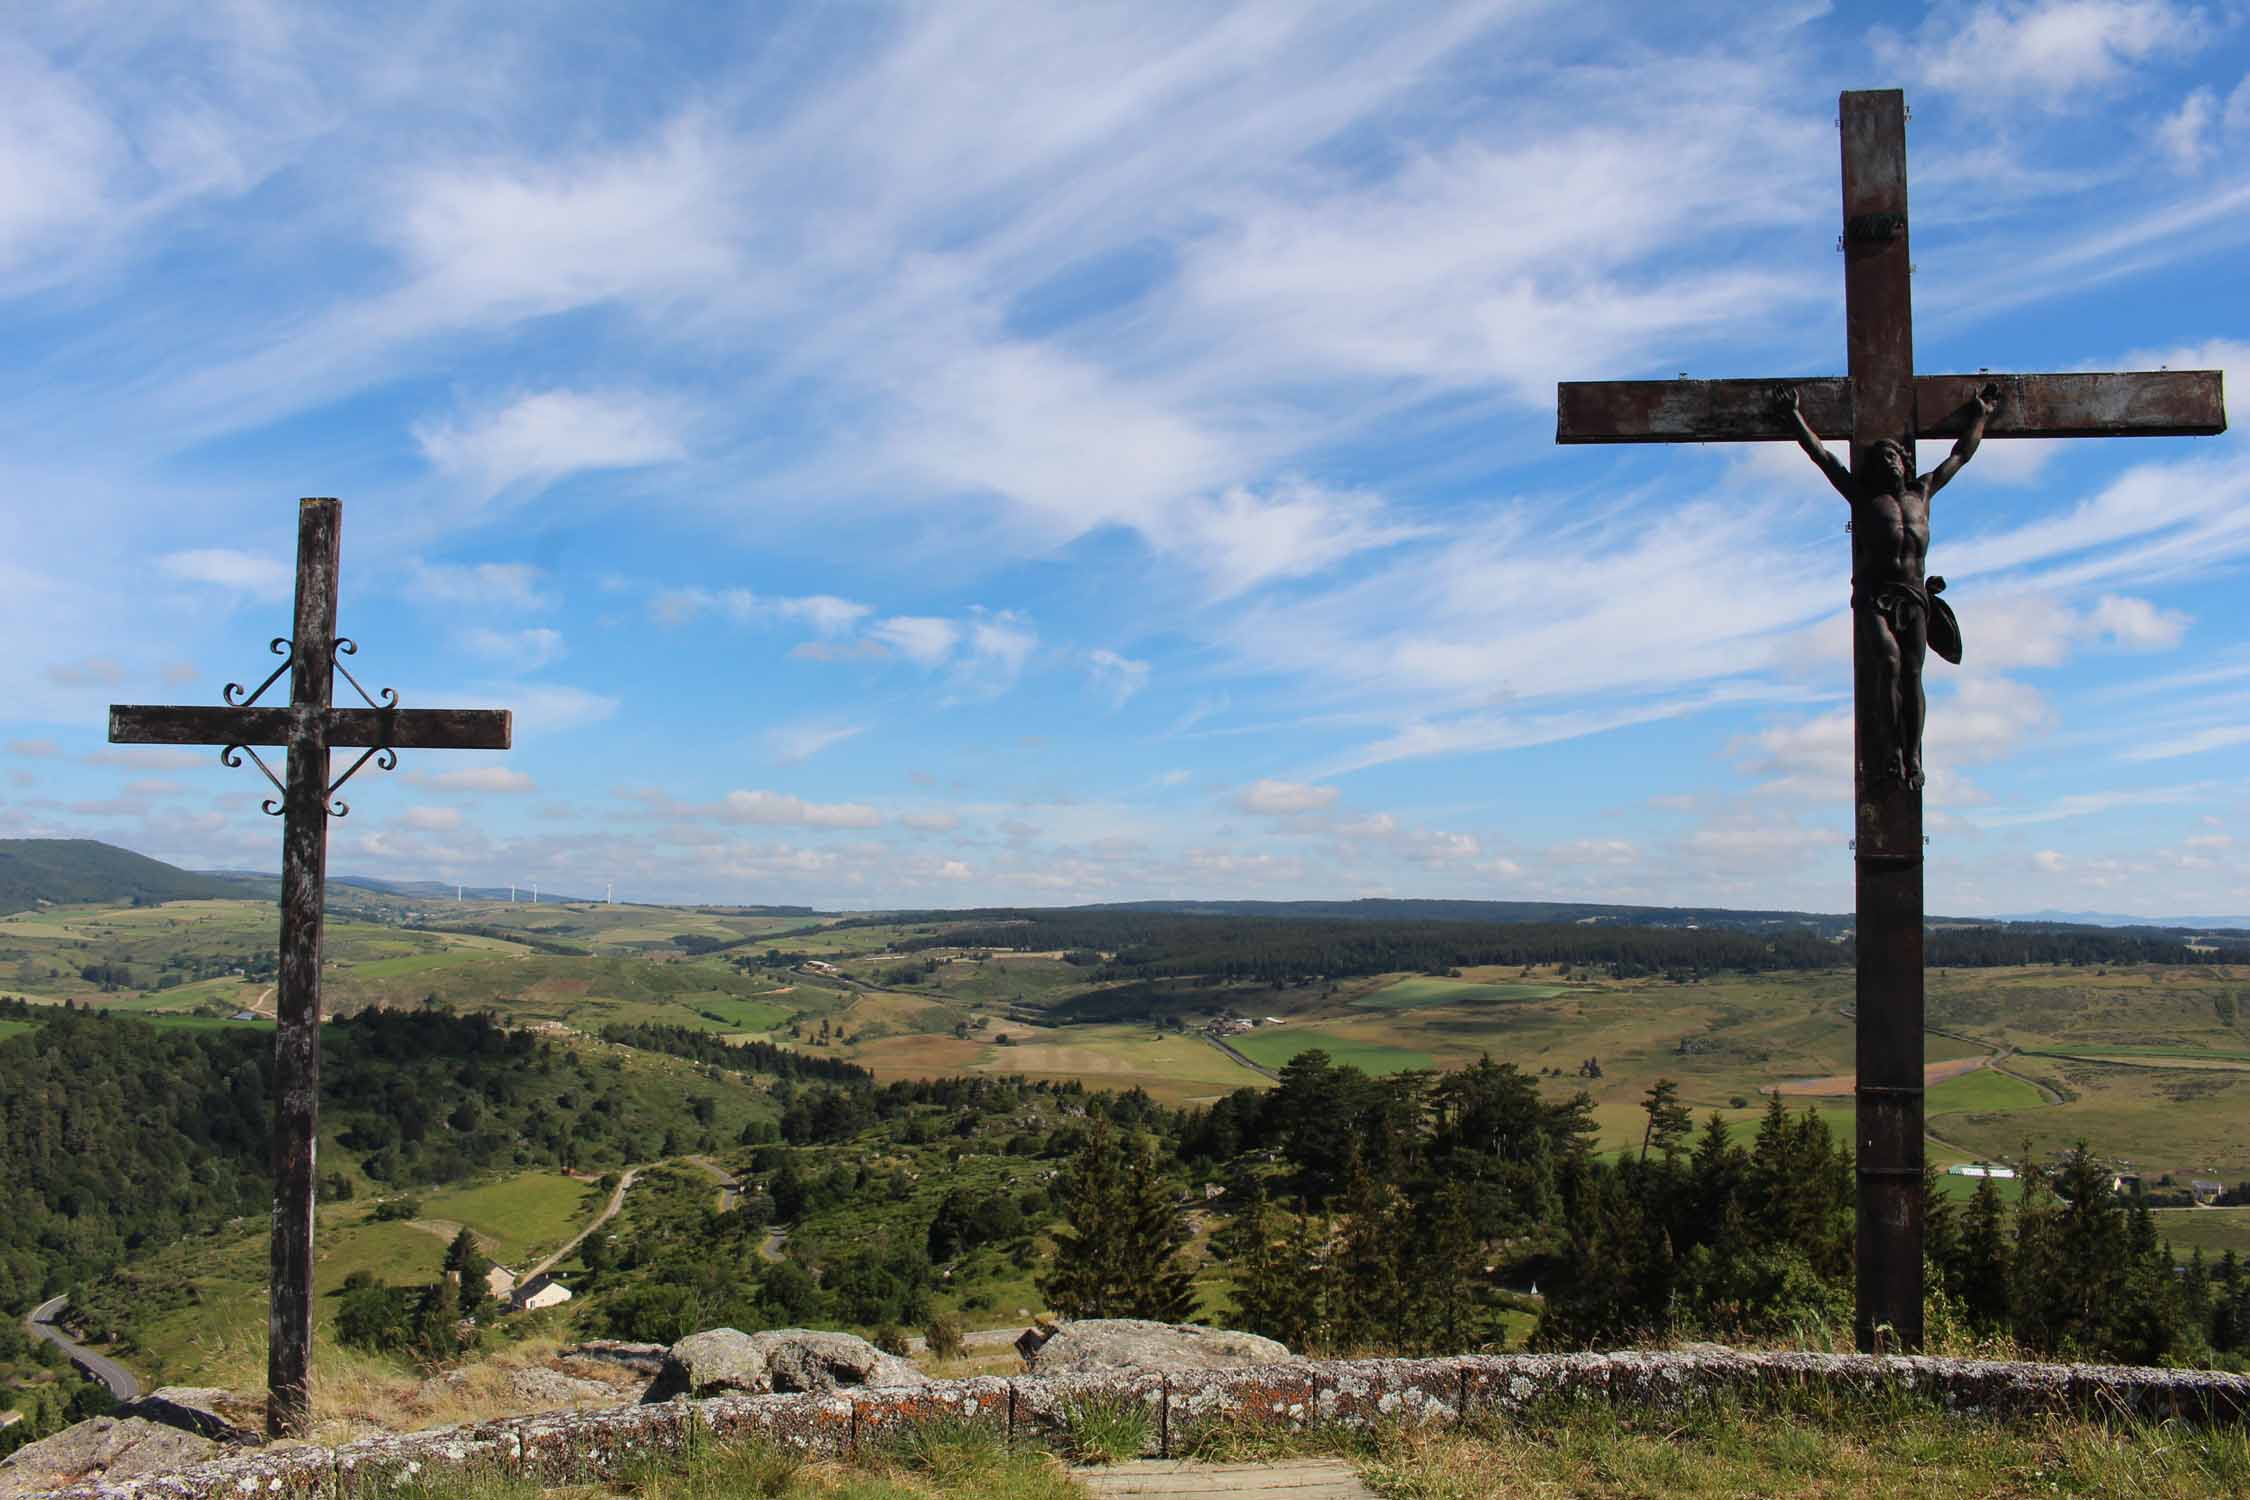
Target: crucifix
point(1882, 407)
point(309, 728)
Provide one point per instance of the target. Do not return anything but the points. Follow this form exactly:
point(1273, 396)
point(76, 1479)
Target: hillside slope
point(72, 871)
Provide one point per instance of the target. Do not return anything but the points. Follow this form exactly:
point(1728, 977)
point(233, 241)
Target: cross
point(309, 727)
point(1882, 407)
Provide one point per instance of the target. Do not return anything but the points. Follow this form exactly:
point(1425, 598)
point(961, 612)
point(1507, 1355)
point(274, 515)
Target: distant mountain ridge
point(1391, 909)
point(2116, 919)
point(67, 871)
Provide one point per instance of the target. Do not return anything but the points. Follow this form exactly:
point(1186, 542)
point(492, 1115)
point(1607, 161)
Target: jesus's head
point(1887, 465)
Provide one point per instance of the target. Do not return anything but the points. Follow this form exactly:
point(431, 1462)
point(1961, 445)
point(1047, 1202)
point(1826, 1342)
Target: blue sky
point(971, 454)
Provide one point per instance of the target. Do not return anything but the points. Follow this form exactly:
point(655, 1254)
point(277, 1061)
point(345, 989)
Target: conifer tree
point(1117, 1256)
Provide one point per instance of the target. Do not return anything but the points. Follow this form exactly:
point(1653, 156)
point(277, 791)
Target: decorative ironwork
point(346, 646)
point(227, 756)
point(279, 648)
point(388, 762)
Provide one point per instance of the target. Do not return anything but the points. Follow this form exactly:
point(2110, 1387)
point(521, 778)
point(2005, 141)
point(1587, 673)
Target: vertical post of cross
point(296, 1052)
point(1887, 845)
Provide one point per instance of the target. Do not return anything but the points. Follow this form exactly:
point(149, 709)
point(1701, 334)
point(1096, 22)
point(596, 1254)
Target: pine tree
point(1117, 1257)
point(1278, 1270)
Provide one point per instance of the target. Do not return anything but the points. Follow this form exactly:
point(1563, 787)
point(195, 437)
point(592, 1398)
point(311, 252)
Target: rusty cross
point(1883, 399)
point(309, 727)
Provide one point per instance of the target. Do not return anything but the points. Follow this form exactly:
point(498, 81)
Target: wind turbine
point(535, 893)
point(609, 894)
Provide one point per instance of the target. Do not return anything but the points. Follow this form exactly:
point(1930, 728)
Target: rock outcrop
point(725, 1361)
point(107, 1449)
point(1096, 1344)
point(228, 1417)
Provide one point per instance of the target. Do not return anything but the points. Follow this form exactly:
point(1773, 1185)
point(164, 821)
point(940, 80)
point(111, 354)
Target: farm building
point(541, 1291)
point(500, 1282)
point(2205, 1190)
point(1979, 1169)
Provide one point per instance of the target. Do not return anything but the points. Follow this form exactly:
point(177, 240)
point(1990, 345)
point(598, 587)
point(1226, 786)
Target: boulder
point(111, 1448)
point(1138, 1344)
point(723, 1361)
point(223, 1416)
point(648, 1359)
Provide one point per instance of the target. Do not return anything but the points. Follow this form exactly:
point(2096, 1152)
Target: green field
point(13, 1028)
point(518, 1219)
point(1983, 1089)
point(731, 1013)
point(2214, 1231)
point(1422, 990)
point(1275, 1047)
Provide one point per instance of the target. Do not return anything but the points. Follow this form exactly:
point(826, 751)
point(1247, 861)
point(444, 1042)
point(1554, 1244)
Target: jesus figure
point(1896, 612)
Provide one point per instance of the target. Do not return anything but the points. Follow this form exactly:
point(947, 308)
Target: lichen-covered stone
point(567, 1447)
point(880, 1415)
point(228, 1417)
point(105, 1448)
point(723, 1361)
point(1043, 1405)
point(1403, 1392)
point(645, 1359)
point(380, 1463)
point(819, 1425)
point(1139, 1344)
point(1283, 1395)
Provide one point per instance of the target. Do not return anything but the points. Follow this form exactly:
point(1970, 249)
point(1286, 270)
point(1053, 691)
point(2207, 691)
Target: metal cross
point(1884, 401)
point(309, 727)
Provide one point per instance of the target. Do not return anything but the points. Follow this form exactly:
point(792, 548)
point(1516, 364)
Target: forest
point(124, 1135)
point(1150, 944)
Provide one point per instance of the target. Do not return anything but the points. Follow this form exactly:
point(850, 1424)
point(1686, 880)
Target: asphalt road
point(122, 1383)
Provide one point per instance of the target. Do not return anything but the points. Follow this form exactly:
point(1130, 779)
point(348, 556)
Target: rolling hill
point(72, 871)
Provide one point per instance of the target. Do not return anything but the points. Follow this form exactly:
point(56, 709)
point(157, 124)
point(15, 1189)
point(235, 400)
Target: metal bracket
point(280, 648)
point(229, 757)
point(1874, 229)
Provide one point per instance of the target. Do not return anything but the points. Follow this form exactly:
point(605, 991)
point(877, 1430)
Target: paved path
point(122, 1383)
point(1295, 1479)
point(616, 1202)
point(1229, 1050)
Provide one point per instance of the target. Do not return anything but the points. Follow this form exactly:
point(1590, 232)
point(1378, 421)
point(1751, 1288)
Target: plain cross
point(1882, 401)
point(309, 727)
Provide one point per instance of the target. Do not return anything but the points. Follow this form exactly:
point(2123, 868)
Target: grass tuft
point(1109, 1430)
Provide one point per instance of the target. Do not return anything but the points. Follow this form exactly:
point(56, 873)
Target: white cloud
point(540, 438)
point(547, 708)
point(791, 743)
point(498, 779)
point(241, 572)
point(2136, 624)
point(825, 613)
point(2087, 804)
point(954, 869)
point(920, 639)
point(779, 808)
point(496, 586)
point(526, 650)
point(1270, 798)
point(2187, 135)
point(2044, 52)
point(432, 819)
point(2236, 121)
point(87, 671)
point(40, 749)
point(2218, 737)
point(1119, 677)
point(930, 822)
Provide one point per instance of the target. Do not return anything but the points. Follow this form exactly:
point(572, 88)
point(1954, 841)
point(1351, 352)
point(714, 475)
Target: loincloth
point(1897, 601)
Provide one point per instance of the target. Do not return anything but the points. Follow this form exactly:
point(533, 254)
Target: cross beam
point(308, 727)
point(1883, 401)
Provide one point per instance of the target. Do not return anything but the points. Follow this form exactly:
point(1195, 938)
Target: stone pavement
point(1295, 1479)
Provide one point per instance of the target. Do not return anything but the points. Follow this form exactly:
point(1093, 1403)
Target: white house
point(541, 1291)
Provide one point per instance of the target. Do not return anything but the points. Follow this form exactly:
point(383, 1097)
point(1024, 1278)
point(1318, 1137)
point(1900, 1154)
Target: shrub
point(944, 1337)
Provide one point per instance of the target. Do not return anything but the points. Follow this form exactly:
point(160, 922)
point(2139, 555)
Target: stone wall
point(575, 1446)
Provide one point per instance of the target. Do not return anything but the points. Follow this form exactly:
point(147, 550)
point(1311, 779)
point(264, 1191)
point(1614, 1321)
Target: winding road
point(616, 1202)
point(122, 1383)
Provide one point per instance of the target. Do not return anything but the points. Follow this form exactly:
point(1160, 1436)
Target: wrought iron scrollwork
point(346, 646)
point(231, 755)
point(233, 693)
point(388, 761)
